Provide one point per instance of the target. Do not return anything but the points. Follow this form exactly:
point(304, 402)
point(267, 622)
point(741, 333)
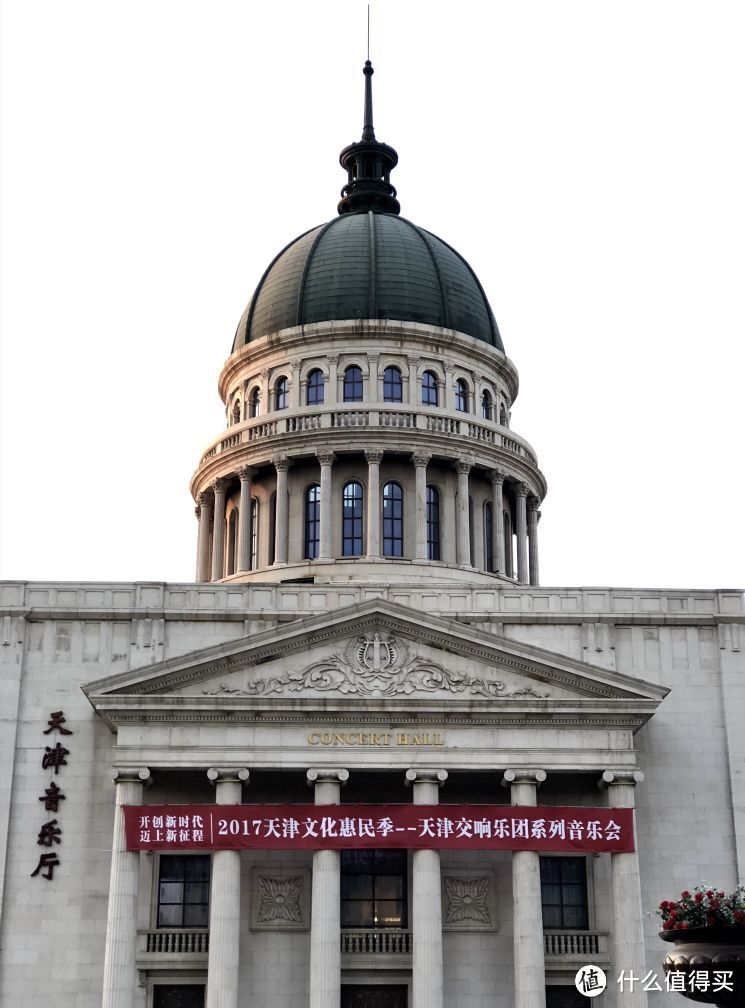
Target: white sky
point(587, 158)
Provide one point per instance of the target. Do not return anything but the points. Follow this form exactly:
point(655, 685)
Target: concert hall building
point(366, 626)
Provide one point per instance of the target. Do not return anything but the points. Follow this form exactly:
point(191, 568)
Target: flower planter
point(708, 950)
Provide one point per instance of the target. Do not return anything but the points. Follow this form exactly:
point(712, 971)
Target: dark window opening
point(393, 390)
point(564, 892)
point(429, 389)
point(353, 384)
point(433, 523)
point(312, 521)
point(373, 889)
point(183, 891)
point(352, 520)
point(315, 388)
point(393, 520)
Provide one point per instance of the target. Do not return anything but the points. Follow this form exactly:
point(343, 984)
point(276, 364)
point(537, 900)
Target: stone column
point(119, 977)
point(205, 517)
point(497, 481)
point(331, 392)
point(426, 971)
point(530, 974)
point(420, 460)
point(225, 901)
point(281, 532)
point(374, 458)
point(326, 460)
point(463, 531)
point(521, 530)
point(534, 516)
point(628, 929)
point(218, 531)
point(325, 919)
point(244, 520)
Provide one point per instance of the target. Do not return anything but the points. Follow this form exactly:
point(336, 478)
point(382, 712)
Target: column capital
point(631, 777)
point(374, 456)
point(497, 476)
point(245, 473)
point(295, 367)
point(325, 456)
point(281, 463)
point(333, 359)
point(425, 776)
point(197, 512)
point(414, 359)
point(533, 504)
point(421, 459)
point(373, 358)
point(522, 489)
point(220, 484)
point(222, 775)
point(523, 777)
point(204, 499)
point(463, 466)
point(131, 775)
point(327, 775)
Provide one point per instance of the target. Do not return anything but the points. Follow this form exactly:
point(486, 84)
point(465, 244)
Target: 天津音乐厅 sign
point(336, 827)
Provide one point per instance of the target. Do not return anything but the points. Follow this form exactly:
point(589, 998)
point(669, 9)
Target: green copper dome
point(369, 265)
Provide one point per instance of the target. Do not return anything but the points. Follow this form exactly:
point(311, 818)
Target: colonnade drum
point(420, 477)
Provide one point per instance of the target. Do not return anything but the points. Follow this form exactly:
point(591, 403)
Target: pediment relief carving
point(377, 664)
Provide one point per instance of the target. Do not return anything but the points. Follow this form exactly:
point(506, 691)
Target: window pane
point(352, 520)
point(357, 860)
point(388, 913)
point(429, 389)
point(433, 523)
point(170, 915)
point(315, 388)
point(196, 915)
point(357, 887)
point(552, 917)
point(393, 523)
point(197, 869)
point(172, 868)
point(171, 892)
point(389, 887)
point(357, 913)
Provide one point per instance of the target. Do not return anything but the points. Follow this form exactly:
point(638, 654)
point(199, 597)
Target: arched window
point(433, 523)
point(352, 519)
point(314, 389)
point(461, 395)
point(235, 416)
point(429, 389)
point(393, 390)
point(254, 534)
point(353, 384)
point(281, 394)
point(486, 405)
point(488, 537)
point(502, 416)
point(232, 542)
point(253, 403)
point(393, 520)
point(312, 521)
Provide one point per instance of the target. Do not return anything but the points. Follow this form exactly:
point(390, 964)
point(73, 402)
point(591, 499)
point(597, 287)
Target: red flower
point(664, 905)
point(698, 897)
point(714, 904)
point(685, 894)
point(709, 893)
point(683, 924)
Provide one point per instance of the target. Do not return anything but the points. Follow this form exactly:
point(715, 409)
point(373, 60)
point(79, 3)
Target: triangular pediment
point(379, 653)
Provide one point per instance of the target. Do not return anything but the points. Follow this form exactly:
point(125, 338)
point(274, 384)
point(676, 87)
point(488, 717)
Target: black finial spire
point(368, 165)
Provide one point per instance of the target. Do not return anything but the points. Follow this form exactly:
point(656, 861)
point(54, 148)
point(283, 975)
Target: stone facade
point(181, 678)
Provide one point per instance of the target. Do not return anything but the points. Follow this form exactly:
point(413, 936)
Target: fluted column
point(426, 964)
point(497, 482)
point(374, 458)
point(521, 530)
point(281, 532)
point(534, 516)
point(295, 385)
point(119, 977)
point(225, 901)
point(421, 460)
point(462, 517)
point(325, 919)
point(530, 975)
point(244, 520)
point(326, 460)
point(628, 930)
point(218, 530)
point(203, 537)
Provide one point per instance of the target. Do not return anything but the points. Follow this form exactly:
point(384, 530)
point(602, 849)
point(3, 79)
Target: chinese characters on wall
point(50, 834)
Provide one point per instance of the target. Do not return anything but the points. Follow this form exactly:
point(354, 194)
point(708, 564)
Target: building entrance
point(373, 996)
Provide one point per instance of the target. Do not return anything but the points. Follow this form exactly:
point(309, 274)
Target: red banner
point(336, 827)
